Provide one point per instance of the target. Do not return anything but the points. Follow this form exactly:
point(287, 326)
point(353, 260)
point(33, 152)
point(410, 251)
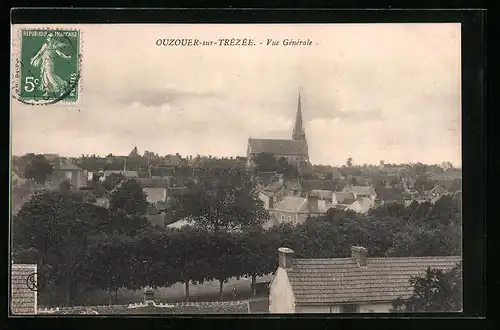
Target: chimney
point(359, 254)
point(271, 202)
point(285, 256)
point(313, 202)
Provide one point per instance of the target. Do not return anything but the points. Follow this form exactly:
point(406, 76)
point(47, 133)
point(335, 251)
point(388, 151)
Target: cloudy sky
point(373, 92)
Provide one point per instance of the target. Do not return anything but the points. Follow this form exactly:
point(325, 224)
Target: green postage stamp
point(48, 66)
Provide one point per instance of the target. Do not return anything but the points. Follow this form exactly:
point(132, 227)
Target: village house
point(67, 171)
point(357, 284)
point(125, 173)
point(155, 189)
point(361, 191)
point(436, 193)
point(295, 210)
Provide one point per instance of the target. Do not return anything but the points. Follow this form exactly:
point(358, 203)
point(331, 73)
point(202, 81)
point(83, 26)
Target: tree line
point(79, 246)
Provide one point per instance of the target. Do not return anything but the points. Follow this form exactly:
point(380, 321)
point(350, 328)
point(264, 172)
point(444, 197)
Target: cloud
point(158, 97)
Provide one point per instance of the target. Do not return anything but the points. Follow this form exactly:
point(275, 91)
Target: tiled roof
point(325, 194)
point(127, 174)
point(342, 280)
point(390, 194)
point(23, 299)
point(360, 190)
point(277, 147)
point(153, 182)
point(67, 167)
point(345, 197)
point(365, 204)
point(322, 185)
point(291, 204)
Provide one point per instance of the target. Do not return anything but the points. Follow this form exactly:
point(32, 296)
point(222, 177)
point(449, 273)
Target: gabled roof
point(23, 299)
point(345, 197)
point(277, 147)
point(127, 174)
point(324, 194)
point(390, 194)
point(153, 182)
point(292, 204)
point(67, 167)
point(341, 280)
point(360, 190)
point(322, 185)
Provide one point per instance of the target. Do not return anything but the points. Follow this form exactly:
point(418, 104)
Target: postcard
point(245, 168)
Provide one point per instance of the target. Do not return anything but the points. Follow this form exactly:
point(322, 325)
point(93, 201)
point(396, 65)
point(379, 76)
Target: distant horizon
point(368, 91)
point(141, 154)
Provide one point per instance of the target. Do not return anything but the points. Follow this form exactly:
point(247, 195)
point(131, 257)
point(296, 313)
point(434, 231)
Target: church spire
point(298, 130)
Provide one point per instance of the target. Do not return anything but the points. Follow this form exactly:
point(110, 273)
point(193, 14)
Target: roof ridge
point(377, 258)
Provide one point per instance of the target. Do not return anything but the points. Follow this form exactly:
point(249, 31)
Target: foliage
point(112, 181)
point(288, 170)
point(265, 162)
point(128, 206)
point(225, 202)
point(38, 168)
point(436, 291)
point(58, 226)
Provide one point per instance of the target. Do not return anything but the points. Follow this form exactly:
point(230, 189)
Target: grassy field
point(208, 291)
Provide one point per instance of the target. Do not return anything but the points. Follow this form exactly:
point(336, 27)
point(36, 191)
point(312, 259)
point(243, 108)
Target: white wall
point(265, 199)
point(381, 307)
point(154, 194)
point(312, 309)
point(375, 308)
point(281, 299)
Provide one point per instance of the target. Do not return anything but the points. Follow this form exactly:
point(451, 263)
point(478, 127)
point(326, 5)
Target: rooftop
point(277, 147)
point(360, 190)
point(23, 300)
point(341, 280)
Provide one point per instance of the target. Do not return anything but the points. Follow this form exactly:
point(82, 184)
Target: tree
point(194, 256)
point(108, 259)
point(65, 186)
point(265, 162)
point(112, 181)
point(225, 202)
point(225, 261)
point(257, 257)
point(349, 162)
point(38, 168)
point(129, 198)
point(436, 291)
point(59, 226)
point(289, 171)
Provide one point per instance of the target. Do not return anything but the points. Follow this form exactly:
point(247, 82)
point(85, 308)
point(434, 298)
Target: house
point(267, 198)
point(357, 284)
point(16, 179)
point(326, 195)
point(155, 189)
point(389, 195)
point(126, 174)
point(436, 193)
point(23, 298)
point(361, 191)
point(295, 210)
point(68, 171)
point(343, 198)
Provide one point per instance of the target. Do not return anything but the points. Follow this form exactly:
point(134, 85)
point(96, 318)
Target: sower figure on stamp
point(50, 83)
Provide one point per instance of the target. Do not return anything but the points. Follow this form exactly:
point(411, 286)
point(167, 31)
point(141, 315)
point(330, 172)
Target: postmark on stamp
point(48, 66)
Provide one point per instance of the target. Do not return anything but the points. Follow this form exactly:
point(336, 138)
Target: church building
point(294, 150)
